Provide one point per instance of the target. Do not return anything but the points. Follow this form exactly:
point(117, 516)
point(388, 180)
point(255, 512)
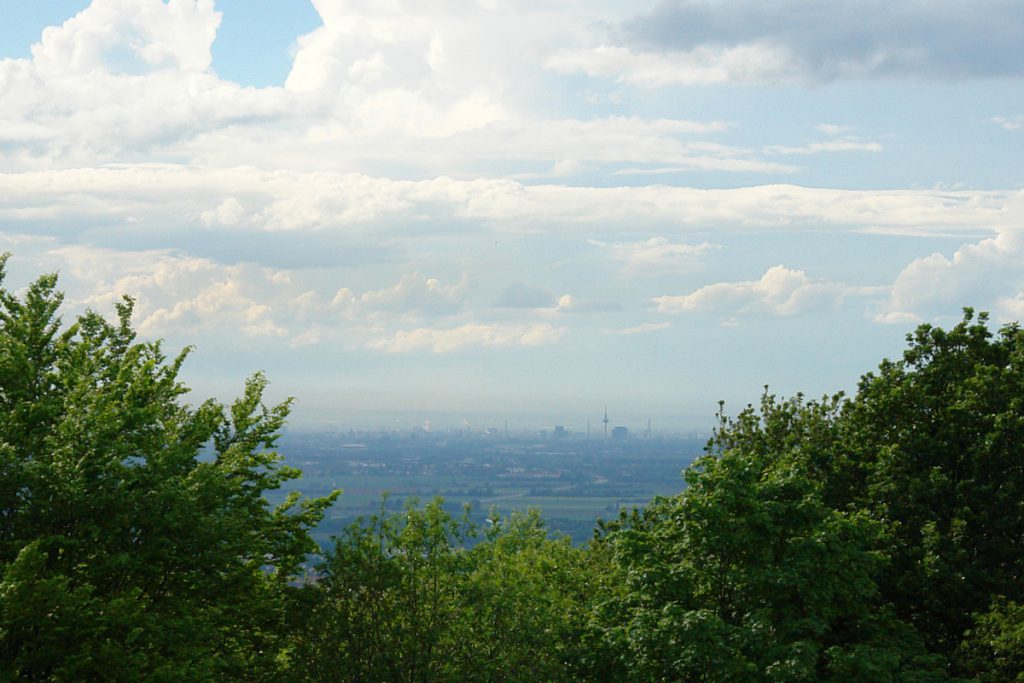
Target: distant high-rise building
point(619, 433)
point(605, 420)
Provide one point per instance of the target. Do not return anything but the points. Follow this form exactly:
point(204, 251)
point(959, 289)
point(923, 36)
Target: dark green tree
point(135, 538)
point(748, 575)
point(934, 449)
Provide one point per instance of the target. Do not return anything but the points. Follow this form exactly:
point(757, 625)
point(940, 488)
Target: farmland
point(571, 479)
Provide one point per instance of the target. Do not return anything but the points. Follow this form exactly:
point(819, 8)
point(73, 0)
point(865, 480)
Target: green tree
point(402, 598)
point(993, 651)
point(748, 575)
point(524, 605)
point(135, 538)
point(933, 445)
point(385, 598)
point(834, 538)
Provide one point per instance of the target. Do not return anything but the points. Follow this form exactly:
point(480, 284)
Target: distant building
point(619, 433)
point(560, 432)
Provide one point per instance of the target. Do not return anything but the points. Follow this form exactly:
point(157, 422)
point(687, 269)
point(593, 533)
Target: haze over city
point(515, 209)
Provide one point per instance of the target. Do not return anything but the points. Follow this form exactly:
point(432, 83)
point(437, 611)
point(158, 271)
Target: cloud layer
point(420, 194)
point(691, 41)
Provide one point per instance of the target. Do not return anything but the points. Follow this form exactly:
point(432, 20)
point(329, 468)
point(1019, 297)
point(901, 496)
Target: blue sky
point(497, 208)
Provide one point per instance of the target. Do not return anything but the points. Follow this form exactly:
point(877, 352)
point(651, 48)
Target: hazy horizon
point(517, 424)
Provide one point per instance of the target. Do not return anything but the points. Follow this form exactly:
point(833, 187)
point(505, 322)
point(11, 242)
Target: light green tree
point(135, 538)
point(402, 597)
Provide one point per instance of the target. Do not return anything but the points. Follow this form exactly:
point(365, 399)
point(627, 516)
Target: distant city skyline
point(518, 208)
point(440, 422)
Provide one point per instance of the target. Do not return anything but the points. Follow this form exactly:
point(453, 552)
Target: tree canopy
point(877, 537)
point(135, 539)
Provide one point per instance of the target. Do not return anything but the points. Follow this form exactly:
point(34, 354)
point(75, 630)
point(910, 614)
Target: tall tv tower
point(605, 420)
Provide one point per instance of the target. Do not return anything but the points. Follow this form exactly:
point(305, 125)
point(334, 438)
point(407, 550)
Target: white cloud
point(780, 291)
point(223, 302)
point(1012, 307)
point(121, 78)
point(176, 293)
point(849, 144)
point(977, 275)
point(1009, 122)
point(705, 64)
point(414, 292)
point(415, 70)
point(897, 318)
point(363, 86)
point(131, 35)
point(564, 167)
point(181, 295)
point(167, 197)
point(643, 328)
point(229, 212)
point(469, 335)
point(832, 129)
point(655, 254)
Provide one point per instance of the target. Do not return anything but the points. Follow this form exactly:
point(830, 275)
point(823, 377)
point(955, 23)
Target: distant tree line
point(877, 537)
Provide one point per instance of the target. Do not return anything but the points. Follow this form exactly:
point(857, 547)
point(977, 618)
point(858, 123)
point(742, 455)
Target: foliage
point(401, 598)
point(851, 539)
point(936, 440)
point(748, 575)
point(127, 550)
point(993, 650)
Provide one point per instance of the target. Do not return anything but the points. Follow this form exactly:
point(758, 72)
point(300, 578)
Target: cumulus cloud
point(978, 275)
point(121, 78)
point(176, 292)
point(469, 335)
point(1012, 307)
point(414, 292)
point(687, 41)
point(127, 81)
point(400, 68)
point(780, 291)
point(228, 212)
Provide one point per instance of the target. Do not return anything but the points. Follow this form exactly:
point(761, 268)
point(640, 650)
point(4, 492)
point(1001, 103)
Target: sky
point(476, 210)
